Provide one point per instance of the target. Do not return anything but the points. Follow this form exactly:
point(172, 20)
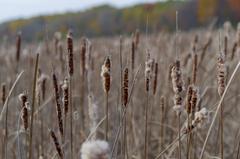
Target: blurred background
point(91, 18)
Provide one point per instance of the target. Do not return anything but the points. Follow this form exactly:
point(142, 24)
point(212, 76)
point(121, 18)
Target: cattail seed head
point(194, 100)
point(65, 96)
point(176, 76)
point(58, 105)
point(133, 54)
point(148, 71)
point(18, 46)
point(221, 74)
point(3, 97)
point(56, 143)
point(105, 73)
point(155, 78)
point(70, 52)
point(83, 55)
point(125, 87)
point(189, 99)
point(24, 104)
point(95, 149)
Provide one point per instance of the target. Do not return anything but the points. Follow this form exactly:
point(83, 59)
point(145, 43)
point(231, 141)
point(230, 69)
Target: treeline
point(106, 20)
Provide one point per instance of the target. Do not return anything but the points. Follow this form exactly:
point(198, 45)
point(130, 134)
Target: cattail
point(221, 74)
point(234, 49)
point(225, 45)
point(106, 70)
point(24, 104)
point(18, 46)
point(189, 99)
point(148, 71)
point(194, 100)
point(155, 78)
point(125, 87)
point(95, 149)
point(58, 106)
point(133, 54)
point(56, 143)
point(3, 98)
point(194, 69)
point(70, 52)
point(177, 83)
point(176, 76)
point(65, 96)
point(83, 55)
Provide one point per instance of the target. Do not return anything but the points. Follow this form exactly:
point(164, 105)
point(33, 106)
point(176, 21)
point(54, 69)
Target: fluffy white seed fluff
point(201, 117)
point(95, 149)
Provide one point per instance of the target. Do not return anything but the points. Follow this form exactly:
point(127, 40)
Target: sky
point(13, 9)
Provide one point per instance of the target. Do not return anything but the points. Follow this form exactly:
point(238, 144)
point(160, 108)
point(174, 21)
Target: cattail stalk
point(33, 106)
point(148, 72)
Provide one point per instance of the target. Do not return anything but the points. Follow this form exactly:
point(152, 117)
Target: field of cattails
point(144, 96)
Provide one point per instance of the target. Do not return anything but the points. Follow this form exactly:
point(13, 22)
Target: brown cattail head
point(58, 106)
point(18, 46)
point(155, 78)
point(3, 97)
point(221, 74)
point(56, 143)
point(133, 54)
point(83, 55)
point(225, 49)
point(70, 52)
point(194, 44)
point(234, 49)
point(65, 96)
point(194, 69)
point(125, 87)
point(106, 77)
point(24, 104)
point(194, 100)
point(148, 71)
point(189, 99)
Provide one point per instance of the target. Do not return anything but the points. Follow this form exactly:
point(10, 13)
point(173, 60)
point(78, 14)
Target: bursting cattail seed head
point(125, 87)
point(148, 71)
point(70, 52)
point(105, 73)
point(24, 104)
point(96, 149)
point(65, 96)
point(221, 74)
